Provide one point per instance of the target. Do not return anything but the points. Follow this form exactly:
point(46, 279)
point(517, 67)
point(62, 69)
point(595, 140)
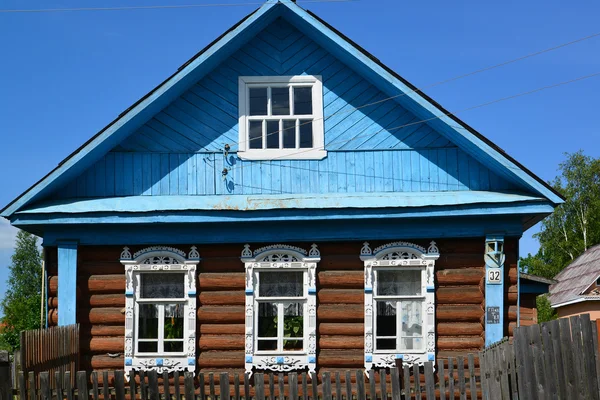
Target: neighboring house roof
point(536, 278)
point(455, 130)
point(575, 280)
point(533, 284)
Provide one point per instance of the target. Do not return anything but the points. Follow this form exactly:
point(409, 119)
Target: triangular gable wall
point(179, 151)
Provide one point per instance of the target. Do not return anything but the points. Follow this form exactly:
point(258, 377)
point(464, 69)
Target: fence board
point(407, 391)
point(442, 379)
point(472, 382)
point(451, 378)
point(383, 388)
point(417, 376)
point(550, 367)
point(589, 346)
point(578, 357)
point(82, 387)
point(429, 380)
point(461, 377)
point(360, 386)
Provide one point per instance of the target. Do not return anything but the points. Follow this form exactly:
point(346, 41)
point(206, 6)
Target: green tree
point(545, 312)
point(575, 225)
point(21, 304)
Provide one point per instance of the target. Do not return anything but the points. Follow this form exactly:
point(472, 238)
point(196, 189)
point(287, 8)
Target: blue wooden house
point(283, 201)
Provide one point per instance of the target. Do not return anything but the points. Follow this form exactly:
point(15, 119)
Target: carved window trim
point(393, 256)
point(160, 259)
point(281, 257)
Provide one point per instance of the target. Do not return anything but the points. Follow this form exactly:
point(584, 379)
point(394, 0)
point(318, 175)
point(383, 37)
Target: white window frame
point(413, 257)
point(296, 259)
point(160, 259)
point(317, 152)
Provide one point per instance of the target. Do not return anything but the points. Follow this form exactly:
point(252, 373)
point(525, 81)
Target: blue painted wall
point(179, 151)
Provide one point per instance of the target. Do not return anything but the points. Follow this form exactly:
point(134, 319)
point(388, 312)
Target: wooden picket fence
point(554, 360)
point(52, 350)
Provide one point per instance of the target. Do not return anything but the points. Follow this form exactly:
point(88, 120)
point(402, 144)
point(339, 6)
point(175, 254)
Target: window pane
point(173, 347)
point(281, 284)
point(255, 135)
point(173, 321)
point(148, 321)
point(306, 134)
point(411, 318)
point(258, 101)
point(386, 344)
point(280, 100)
point(302, 100)
point(162, 286)
point(386, 318)
point(411, 343)
point(289, 133)
point(398, 282)
point(272, 134)
point(293, 326)
point(267, 320)
point(147, 347)
point(267, 345)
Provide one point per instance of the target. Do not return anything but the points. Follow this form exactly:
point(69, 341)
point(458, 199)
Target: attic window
point(281, 117)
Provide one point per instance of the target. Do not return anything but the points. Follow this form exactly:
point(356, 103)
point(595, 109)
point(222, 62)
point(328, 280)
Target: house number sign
point(494, 276)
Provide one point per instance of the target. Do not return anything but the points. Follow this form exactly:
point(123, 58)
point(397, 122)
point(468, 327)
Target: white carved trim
point(158, 258)
point(399, 255)
point(303, 260)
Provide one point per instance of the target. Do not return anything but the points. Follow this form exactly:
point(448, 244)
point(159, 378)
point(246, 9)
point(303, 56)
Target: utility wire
point(418, 90)
point(157, 7)
point(437, 117)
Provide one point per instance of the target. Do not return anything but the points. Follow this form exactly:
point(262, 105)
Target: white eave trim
point(575, 301)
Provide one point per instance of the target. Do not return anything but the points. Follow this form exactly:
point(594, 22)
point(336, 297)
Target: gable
point(577, 278)
point(179, 151)
point(128, 134)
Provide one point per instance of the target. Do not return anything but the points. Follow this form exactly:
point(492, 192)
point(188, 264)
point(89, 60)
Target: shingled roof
point(575, 280)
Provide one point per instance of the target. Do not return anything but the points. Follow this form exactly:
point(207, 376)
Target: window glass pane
point(267, 345)
point(255, 135)
point(148, 321)
point(162, 286)
point(293, 326)
point(289, 133)
point(411, 318)
point(272, 134)
point(147, 347)
point(281, 284)
point(398, 282)
point(173, 328)
point(386, 344)
point(411, 343)
point(306, 134)
point(258, 101)
point(280, 100)
point(267, 320)
point(302, 100)
point(173, 346)
point(386, 318)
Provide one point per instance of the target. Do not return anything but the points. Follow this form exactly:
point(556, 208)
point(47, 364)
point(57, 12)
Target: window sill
point(291, 154)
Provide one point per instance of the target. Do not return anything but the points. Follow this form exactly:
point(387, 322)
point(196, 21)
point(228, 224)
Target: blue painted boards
point(67, 283)
point(179, 151)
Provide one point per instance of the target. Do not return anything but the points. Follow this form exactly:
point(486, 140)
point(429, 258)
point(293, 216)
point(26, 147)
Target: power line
point(418, 90)
point(283, 157)
point(157, 7)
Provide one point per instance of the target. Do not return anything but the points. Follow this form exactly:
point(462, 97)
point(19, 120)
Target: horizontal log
point(512, 313)
point(511, 328)
point(458, 343)
point(341, 313)
point(229, 281)
point(102, 345)
point(341, 296)
point(347, 262)
point(96, 267)
point(53, 317)
point(341, 359)
point(102, 330)
point(459, 295)
point(103, 316)
point(100, 362)
point(341, 280)
point(222, 298)
point(341, 329)
point(341, 342)
point(221, 359)
point(95, 300)
point(459, 313)
point(459, 328)
point(221, 342)
point(221, 329)
point(222, 314)
point(462, 276)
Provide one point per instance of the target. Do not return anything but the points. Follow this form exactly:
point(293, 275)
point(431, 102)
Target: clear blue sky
point(64, 76)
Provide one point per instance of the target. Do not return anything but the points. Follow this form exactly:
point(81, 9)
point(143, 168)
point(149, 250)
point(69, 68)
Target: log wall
point(459, 302)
